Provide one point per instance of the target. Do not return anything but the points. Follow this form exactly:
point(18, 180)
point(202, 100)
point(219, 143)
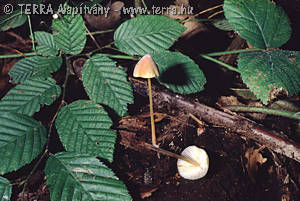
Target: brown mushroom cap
point(146, 68)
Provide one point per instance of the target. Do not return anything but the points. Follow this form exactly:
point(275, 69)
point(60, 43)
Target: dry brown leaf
point(254, 158)
point(228, 100)
point(193, 27)
point(102, 22)
point(275, 92)
point(157, 116)
point(173, 12)
point(77, 67)
point(133, 122)
point(185, 3)
point(6, 65)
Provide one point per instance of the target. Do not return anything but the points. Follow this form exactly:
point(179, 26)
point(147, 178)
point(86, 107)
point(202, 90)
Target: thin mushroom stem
point(151, 114)
point(171, 154)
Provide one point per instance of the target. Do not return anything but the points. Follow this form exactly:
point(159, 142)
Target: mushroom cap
point(190, 171)
point(146, 68)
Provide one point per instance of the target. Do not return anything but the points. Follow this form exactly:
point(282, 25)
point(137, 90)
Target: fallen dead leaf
point(102, 22)
point(77, 67)
point(254, 158)
point(228, 100)
point(185, 3)
point(193, 27)
point(275, 92)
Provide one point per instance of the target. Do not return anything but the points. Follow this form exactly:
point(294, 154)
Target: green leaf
point(13, 20)
point(26, 98)
point(80, 177)
point(21, 140)
point(5, 189)
point(147, 34)
point(179, 73)
point(261, 23)
point(83, 127)
point(35, 66)
point(46, 45)
point(106, 83)
point(69, 33)
point(269, 72)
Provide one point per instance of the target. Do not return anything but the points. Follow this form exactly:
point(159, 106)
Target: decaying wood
point(271, 139)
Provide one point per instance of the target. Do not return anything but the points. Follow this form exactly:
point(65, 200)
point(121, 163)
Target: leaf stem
point(220, 62)
point(17, 55)
point(282, 113)
point(95, 50)
point(92, 37)
point(101, 32)
point(116, 56)
point(216, 13)
point(31, 33)
point(151, 114)
point(145, 6)
point(233, 52)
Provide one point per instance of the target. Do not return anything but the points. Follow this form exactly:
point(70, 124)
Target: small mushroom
point(189, 170)
point(146, 68)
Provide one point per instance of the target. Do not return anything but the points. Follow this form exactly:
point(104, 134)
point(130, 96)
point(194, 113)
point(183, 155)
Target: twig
point(16, 36)
point(95, 50)
point(216, 13)
point(17, 55)
point(202, 12)
point(128, 139)
point(168, 153)
point(196, 119)
point(241, 125)
point(12, 49)
point(92, 37)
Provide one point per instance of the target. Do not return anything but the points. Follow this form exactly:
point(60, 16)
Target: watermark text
point(43, 9)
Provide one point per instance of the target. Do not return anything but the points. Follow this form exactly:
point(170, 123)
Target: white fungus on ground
point(191, 171)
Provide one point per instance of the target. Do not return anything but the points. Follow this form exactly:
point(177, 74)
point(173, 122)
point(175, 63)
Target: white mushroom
point(191, 171)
